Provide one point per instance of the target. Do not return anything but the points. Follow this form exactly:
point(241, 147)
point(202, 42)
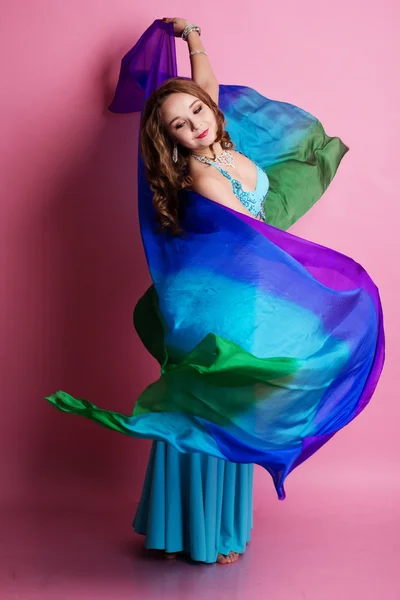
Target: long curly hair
point(167, 178)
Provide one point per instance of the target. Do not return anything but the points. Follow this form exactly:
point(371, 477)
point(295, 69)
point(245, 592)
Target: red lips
point(202, 135)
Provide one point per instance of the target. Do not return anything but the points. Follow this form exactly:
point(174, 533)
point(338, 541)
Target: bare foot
point(170, 555)
point(232, 557)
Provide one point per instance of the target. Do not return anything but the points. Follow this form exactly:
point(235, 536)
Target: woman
point(184, 145)
point(268, 344)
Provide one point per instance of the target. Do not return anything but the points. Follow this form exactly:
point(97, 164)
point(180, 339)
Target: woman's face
point(189, 121)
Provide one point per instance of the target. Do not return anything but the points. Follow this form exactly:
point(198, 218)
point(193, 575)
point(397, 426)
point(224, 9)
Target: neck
point(207, 152)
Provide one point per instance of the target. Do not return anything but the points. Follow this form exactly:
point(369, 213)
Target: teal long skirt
point(196, 504)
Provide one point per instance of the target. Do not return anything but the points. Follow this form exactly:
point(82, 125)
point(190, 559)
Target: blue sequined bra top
point(253, 201)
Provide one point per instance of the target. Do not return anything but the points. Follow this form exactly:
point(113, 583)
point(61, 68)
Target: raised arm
point(202, 72)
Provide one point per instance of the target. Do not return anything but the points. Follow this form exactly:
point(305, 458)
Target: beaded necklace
point(225, 158)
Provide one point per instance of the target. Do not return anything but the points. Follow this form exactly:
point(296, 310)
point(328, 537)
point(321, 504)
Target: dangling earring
point(175, 153)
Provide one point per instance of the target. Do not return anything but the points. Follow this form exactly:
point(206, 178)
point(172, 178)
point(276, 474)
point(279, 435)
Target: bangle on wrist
point(188, 29)
point(197, 52)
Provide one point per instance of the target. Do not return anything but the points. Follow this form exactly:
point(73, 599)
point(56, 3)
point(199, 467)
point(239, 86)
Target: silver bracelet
point(197, 52)
point(188, 29)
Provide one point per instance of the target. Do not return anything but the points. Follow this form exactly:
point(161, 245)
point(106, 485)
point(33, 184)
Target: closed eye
point(196, 112)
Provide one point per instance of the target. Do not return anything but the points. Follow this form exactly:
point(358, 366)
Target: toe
point(222, 559)
point(227, 559)
point(234, 556)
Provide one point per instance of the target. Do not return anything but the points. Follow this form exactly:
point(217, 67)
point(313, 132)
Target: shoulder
point(212, 185)
point(209, 182)
point(206, 180)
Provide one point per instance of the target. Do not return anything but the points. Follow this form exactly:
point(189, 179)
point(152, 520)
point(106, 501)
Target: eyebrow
point(194, 102)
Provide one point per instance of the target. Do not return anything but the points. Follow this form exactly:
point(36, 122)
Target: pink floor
point(319, 544)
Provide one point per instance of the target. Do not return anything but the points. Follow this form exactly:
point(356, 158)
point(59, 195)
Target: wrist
point(192, 34)
point(188, 30)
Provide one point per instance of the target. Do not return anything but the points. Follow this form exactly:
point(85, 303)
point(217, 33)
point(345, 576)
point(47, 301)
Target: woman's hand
point(179, 25)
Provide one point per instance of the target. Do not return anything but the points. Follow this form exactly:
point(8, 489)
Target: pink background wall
point(72, 265)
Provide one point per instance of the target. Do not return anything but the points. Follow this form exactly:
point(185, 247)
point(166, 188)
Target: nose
point(196, 125)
